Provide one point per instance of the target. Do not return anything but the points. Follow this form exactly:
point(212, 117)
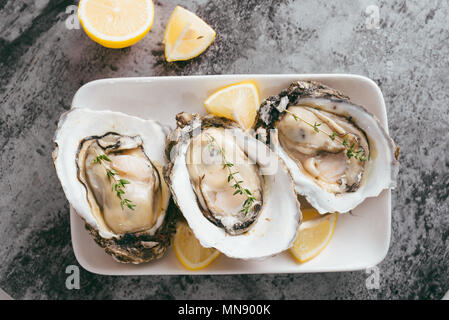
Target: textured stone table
point(43, 61)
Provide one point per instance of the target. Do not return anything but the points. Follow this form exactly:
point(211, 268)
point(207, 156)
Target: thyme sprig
point(118, 185)
point(101, 157)
point(350, 152)
point(237, 184)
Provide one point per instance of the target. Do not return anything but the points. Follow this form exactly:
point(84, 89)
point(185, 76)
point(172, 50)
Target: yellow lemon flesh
point(116, 23)
point(314, 234)
point(310, 214)
point(186, 35)
point(189, 250)
point(239, 102)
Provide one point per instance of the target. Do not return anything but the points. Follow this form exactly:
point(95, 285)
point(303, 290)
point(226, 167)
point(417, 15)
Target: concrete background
point(43, 63)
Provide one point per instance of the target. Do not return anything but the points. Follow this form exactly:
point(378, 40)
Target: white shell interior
point(380, 171)
point(275, 229)
point(78, 124)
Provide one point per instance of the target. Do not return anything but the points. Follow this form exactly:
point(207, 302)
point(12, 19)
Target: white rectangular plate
point(360, 240)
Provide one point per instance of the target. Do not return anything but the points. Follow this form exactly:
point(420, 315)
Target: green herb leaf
point(101, 157)
point(334, 134)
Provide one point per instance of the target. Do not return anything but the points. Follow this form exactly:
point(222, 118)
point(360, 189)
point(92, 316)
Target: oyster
point(110, 167)
point(338, 153)
point(236, 195)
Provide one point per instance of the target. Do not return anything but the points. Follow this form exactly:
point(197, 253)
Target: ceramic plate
point(360, 240)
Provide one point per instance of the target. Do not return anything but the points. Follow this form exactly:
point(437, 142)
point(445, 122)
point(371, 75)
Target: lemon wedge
point(114, 23)
point(189, 250)
point(239, 102)
point(186, 35)
point(310, 214)
point(314, 234)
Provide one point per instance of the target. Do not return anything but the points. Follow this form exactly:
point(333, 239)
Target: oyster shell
point(214, 169)
point(110, 167)
point(338, 153)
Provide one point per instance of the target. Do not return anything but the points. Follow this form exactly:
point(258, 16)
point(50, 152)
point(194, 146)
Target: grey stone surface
point(43, 63)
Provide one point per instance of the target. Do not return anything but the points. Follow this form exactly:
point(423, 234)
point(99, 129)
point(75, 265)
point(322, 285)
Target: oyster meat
point(236, 195)
point(110, 167)
point(338, 153)
point(205, 158)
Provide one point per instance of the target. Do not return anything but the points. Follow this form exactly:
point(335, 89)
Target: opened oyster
point(110, 167)
point(338, 153)
point(236, 195)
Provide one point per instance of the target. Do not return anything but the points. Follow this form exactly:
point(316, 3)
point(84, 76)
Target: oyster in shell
point(338, 153)
point(236, 195)
point(110, 167)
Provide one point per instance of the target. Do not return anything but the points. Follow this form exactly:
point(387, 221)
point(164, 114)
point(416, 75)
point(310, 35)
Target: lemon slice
point(239, 102)
point(310, 214)
point(116, 23)
point(314, 235)
point(186, 35)
point(189, 250)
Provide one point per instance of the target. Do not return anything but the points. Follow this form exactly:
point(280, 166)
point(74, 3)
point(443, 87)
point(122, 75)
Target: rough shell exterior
point(273, 107)
point(140, 247)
